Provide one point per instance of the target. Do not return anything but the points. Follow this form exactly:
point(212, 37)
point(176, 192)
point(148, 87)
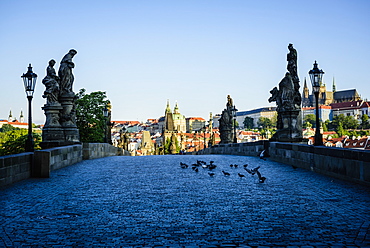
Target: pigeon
point(226, 173)
point(262, 155)
point(183, 165)
point(241, 175)
point(250, 171)
point(260, 177)
point(256, 169)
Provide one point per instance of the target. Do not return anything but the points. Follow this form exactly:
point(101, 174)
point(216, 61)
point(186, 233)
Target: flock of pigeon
point(211, 166)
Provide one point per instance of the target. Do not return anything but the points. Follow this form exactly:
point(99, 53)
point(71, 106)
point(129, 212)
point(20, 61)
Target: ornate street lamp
point(316, 79)
point(234, 123)
point(29, 81)
point(105, 114)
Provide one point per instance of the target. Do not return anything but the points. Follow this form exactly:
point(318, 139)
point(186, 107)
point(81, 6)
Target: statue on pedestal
point(65, 72)
point(288, 102)
point(51, 82)
point(226, 122)
point(60, 108)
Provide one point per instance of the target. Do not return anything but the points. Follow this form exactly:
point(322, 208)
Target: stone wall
point(100, 150)
point(346, 164)
point(242, 149)
point(52, 159)
point(14, 168)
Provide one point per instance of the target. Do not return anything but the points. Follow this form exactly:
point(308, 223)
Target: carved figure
point(292, 63)
point(229, 101)
point(50, 81)
point(65, 72)
point(226, 122)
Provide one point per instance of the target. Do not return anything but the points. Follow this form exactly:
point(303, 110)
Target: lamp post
point(29, 81)
point(105, 114)
point(234, 123)
point(316, 79)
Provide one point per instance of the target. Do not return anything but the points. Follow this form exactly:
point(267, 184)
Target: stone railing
point(346, 164)
point(243, 149)
point(21, 166)
point(15, 167)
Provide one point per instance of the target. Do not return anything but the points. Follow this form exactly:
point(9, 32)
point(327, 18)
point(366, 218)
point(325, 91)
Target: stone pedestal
point(52, 132)
point(68, 118)
point(226, 136)
point(291, 130)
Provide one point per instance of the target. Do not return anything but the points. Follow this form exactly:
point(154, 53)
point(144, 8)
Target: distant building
point(325, 112)
point(328, 97)
point(194, 124)
point(268, 112)
point(354, 108)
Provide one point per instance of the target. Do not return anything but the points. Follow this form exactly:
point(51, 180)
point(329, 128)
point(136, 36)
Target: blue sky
point(193, 52)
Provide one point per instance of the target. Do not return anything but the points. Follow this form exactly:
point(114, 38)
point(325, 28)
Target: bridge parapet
point(346, 164)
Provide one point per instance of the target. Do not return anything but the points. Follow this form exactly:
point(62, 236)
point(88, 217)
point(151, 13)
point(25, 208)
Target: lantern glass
point(29, 81)
point(316, 77)
point(105, 112)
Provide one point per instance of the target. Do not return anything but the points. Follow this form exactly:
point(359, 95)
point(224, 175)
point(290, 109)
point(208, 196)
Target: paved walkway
point(150, 201)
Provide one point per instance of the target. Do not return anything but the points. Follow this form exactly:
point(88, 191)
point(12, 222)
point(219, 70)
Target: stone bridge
point(152, 202)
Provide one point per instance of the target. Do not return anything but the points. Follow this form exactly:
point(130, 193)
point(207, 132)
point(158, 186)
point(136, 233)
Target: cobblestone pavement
point(152, 202)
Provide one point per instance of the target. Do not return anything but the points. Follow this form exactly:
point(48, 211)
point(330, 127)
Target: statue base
point(226, 136)
point(291, 130)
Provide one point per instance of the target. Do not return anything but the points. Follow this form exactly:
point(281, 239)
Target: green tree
point(264, 123)
point(8, 127)
point(248, 122)
point(311, 118)
point(89, 115)
point(13, 142)
point(365, 121)
point(340, 130)
point(348, 122)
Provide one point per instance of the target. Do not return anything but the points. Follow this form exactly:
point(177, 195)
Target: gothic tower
point(10, 117)
point(21, 117)
point(169, 127)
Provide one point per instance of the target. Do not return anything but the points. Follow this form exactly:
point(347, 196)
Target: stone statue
point(292, 68)
point(65, 72)
point(288, 102)
point(51, 83)
point(226, 122)
point(292, 63)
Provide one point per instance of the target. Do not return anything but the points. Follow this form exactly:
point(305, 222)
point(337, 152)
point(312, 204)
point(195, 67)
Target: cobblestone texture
point(152, 202)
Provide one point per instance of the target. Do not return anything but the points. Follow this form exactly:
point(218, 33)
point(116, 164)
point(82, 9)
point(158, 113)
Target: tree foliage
point(365, 121)
point(89, 115)
point(13, 142)
point(346, 122)
point(248, 122)
point(310, 118)
point(264, 123)
point(7, 128)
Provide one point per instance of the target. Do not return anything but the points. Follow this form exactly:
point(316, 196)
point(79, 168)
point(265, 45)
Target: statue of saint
point(50, 81)
point(292, 63)
point(65, 72)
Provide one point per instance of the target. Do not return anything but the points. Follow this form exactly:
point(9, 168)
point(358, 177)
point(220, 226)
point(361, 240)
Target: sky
point(193, 52)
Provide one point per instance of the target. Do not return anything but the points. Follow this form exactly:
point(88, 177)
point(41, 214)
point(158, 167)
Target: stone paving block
point(150, 201)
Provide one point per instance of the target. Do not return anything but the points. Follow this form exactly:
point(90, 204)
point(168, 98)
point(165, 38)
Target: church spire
point(10, 118)
point(334, 88)
point(21, 117)
point(305, 89)
point(176, 109)
point(168, 109)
